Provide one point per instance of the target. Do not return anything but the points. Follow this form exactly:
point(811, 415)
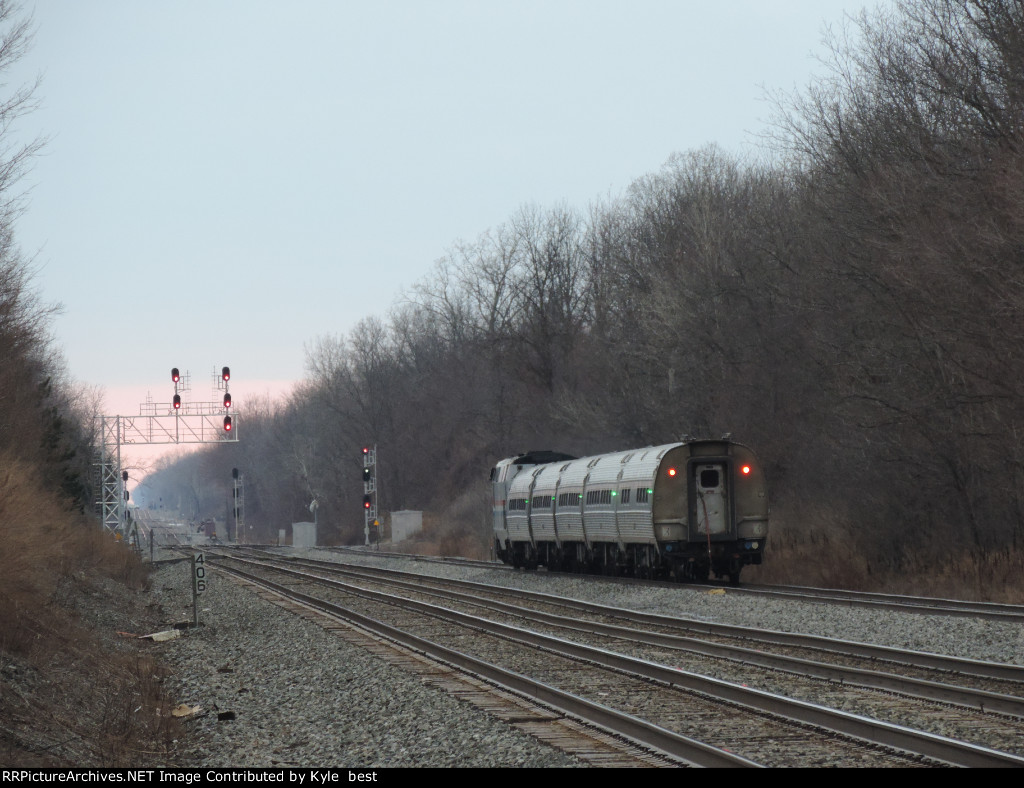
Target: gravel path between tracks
point(300, 696)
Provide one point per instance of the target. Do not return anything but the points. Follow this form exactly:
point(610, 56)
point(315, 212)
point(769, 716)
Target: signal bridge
point(183, 409)
point(203, 426)
point(157, 423)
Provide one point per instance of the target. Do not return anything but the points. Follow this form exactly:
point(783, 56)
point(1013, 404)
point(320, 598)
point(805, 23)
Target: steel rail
point(616, 722)
point(972, 667)
point(995, 611)
point(897, 602)
point(888, 682)
point(957, 753)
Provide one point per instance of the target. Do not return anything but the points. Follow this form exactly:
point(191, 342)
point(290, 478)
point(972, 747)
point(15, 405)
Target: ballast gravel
point(274, 690)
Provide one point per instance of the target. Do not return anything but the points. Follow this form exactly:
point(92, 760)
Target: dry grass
point(821, 553)
point(72, 691)
point(455, 531)
point(983, 576)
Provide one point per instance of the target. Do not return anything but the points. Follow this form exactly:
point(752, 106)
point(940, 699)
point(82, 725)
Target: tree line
point(45, 419)
point(850, 305)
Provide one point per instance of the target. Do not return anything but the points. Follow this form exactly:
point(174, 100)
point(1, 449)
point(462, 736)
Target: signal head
point(366, 501)
point(175, 375)
point(227, 424)
point(225, 373)
point(177, 401)
point(227, 400)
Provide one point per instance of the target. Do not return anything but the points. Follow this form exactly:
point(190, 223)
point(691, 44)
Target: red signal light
point(671, 471)
point(366, 501)
point(745, 470)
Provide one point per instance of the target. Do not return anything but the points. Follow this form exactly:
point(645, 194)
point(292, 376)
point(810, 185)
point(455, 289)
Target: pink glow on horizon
point(128, 401)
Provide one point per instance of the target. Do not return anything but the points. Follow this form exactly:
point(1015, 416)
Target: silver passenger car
point(679, 510)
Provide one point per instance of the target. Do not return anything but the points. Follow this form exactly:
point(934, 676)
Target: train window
point(625, 496)
point(709, 478)
point(642, 494)
point(541, 502)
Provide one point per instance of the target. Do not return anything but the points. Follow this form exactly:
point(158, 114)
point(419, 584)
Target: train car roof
point(542, 457)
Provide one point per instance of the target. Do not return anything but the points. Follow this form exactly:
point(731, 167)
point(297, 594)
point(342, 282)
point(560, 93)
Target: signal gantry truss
point(172, 422)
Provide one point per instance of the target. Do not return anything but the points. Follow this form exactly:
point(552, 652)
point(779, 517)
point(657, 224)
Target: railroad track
point(591, 732)
point(994, 611)
point(991, 687)
point(776, 729)
point(731, 653)
point(762, 638)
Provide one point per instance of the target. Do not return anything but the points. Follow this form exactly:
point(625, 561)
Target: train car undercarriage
point(672, 561)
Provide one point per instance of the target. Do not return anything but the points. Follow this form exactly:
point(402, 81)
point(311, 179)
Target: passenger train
point(680, 510)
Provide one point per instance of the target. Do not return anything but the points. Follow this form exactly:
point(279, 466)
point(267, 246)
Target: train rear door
point(709, 482)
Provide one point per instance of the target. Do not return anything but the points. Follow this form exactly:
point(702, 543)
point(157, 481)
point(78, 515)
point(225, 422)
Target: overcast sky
point(226, 181)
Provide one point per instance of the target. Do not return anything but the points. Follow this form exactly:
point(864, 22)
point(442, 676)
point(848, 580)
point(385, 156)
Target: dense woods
point(851, 305)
